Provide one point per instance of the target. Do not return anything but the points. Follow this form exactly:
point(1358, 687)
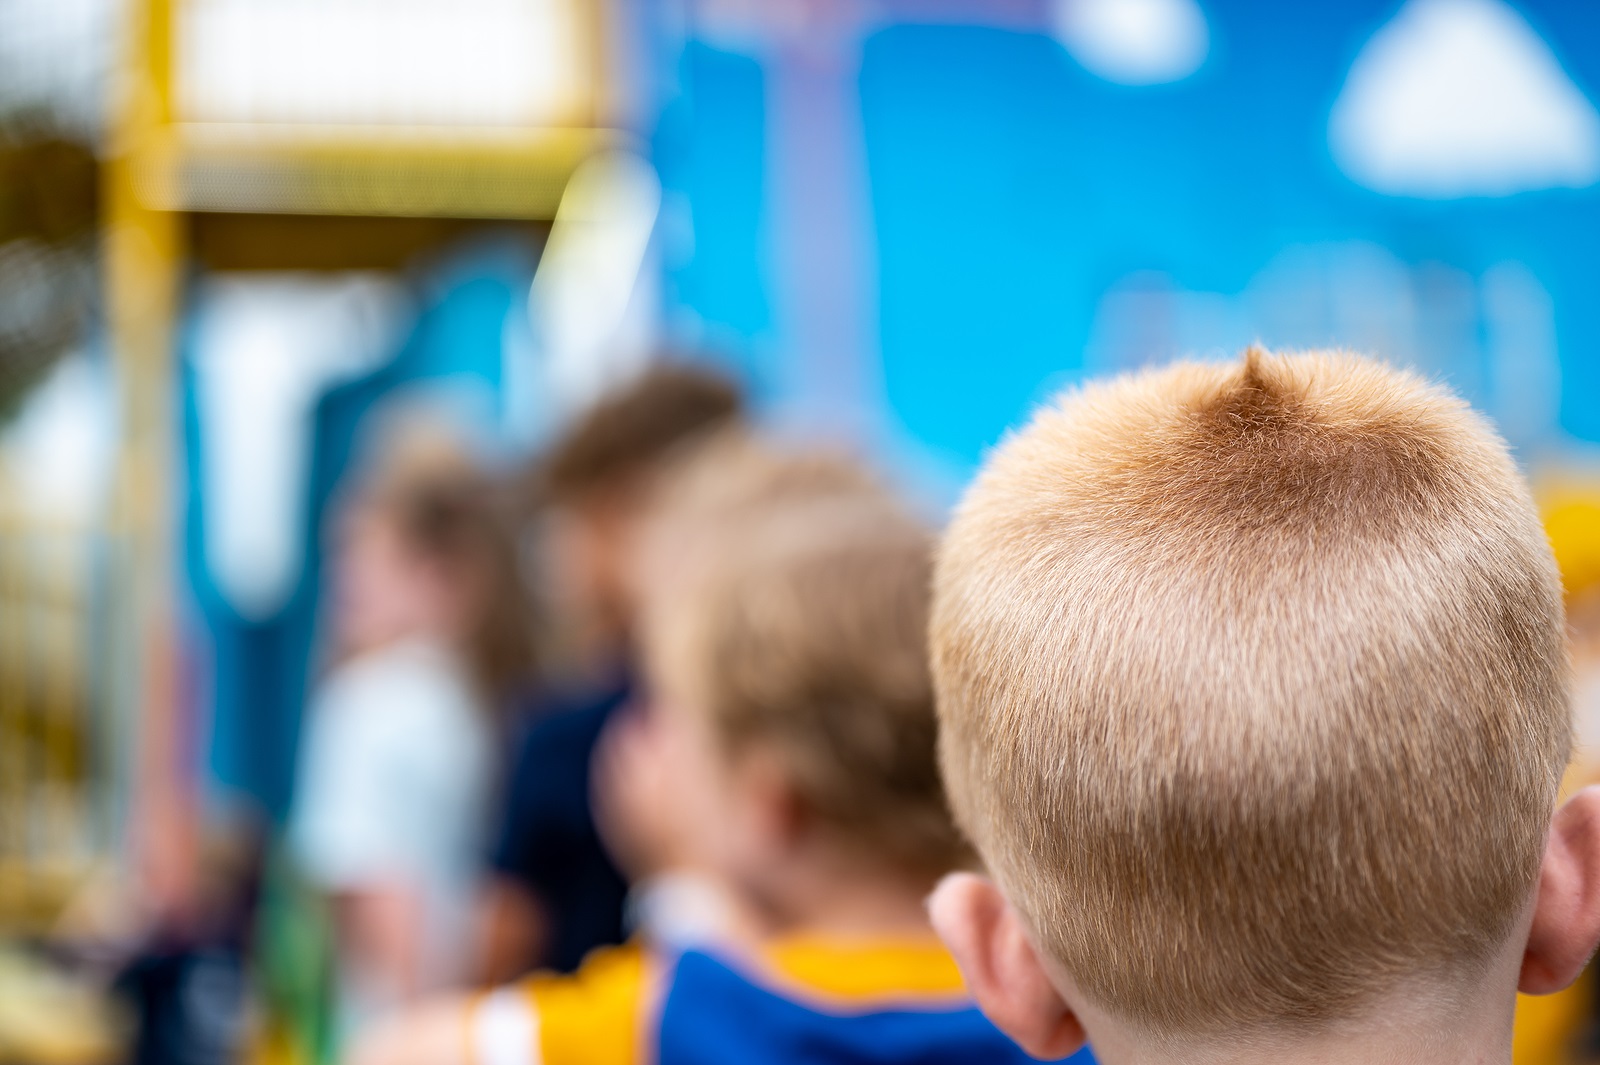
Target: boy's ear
point(768, 795)
point(1002, 969)
point(1566, 915)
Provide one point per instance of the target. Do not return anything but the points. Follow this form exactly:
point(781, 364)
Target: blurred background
point(247, 244)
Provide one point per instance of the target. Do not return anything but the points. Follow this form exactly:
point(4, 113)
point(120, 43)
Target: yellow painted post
point(143, 256)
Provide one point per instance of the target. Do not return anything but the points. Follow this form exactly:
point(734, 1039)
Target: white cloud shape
point(1134, 42)
point(1462, 98)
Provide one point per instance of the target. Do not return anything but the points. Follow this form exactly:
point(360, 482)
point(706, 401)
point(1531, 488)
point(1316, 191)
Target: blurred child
point(1255, 700)
point(553, 894)
point(727, 482)
point(396, 765)
point(790, 733)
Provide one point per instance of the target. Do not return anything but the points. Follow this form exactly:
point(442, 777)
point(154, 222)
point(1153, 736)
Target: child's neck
point(1402, 1031)
point(840, 899)
point(1433, 1048)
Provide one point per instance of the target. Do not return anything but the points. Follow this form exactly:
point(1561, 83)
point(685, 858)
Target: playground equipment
point(246, 134)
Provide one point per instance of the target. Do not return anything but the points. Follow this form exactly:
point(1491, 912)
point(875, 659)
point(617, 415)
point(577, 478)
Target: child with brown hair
point(791, 728)
point(1254, 698)
point(553, 894)
point(431, 633)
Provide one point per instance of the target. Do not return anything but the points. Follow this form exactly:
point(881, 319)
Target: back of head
point(796, 618)
point(732, 476)
point(1253, 689)
point(629, 432)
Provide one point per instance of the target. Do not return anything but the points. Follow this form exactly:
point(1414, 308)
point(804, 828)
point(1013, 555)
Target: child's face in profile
point(384, 590)
point(674, 797)
point(588, 548)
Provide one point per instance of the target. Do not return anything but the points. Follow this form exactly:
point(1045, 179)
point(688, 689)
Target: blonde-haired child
point(1254, 698)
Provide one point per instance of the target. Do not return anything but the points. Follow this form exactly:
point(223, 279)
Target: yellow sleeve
point(592, 1017)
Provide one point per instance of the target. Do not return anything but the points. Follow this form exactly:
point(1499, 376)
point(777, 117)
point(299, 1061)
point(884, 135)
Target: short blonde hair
point(798, 622)
point(1253, 688)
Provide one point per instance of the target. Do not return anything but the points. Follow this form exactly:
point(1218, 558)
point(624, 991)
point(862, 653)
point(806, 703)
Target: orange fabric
point(871, 970)
point(1547, 1025)
point(595, 1016)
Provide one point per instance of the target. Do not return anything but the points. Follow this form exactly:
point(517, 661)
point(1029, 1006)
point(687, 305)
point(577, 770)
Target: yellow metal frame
point(445, 173)
point(159, 171)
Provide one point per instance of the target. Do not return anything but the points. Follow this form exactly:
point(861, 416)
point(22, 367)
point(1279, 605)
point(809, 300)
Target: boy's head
point(1254, 699)
point(785, 640)
point(597, 478)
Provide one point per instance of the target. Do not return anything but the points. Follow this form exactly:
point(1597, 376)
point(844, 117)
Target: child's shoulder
point(843, 973)
point(594, 1015)
point(809, 999)
point(802, 999)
